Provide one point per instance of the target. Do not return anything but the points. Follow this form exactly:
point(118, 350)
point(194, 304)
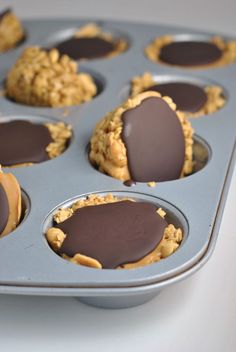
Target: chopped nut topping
point(11, 32)
point(43, 78)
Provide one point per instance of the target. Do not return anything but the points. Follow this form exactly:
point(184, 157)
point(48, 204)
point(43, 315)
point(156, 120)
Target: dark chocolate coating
point(85, 48)
point(186, 96)
point(129, 183)
point(190, 53)
point(4, 13)
point(114, 233)
point(23, 142)
point(154, 140)
point(4, 209)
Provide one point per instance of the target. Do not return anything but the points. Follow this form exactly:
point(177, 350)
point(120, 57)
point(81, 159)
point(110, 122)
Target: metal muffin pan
point(28, 265)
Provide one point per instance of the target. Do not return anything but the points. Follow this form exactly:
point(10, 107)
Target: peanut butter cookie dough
point(143, 140)
point(11, 30)
point(191, 99)
point(24, 143)
point(44, 78)
point(192, 54)
point(90, 42)
point(10, 203)
point(120, 242)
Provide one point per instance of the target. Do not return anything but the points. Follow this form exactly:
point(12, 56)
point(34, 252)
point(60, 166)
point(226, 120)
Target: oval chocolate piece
point(190, 53)
point(113, 233)
point(85, 47)
point(154, 140)
point(23, 142)
point(187, 97)
point(4, 209)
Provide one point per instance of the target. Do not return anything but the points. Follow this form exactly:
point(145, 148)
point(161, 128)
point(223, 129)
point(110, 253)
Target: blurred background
point(202, 14)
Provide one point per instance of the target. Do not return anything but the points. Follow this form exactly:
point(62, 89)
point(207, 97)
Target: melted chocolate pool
point(85, 48)
point(190, 53)
point(114, 233)
point(23, 142)
point(4, 209)
point(187, 97)
point(154, 141)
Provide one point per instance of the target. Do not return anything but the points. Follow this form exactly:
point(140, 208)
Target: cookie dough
point(120, 242)
point(11, 30)
point(24, 143)
point(10, 203)
point(192, 54)
point(90, 42)
point(155, 146)
point(191, 99)
point(44, 78)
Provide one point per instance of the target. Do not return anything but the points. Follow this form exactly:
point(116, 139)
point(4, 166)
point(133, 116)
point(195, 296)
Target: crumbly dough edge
point(168, 245)
point(107, 150)
point(11, 32)
point(228, 48)
point(46, 78)
point(215, 94)
point(92, 30)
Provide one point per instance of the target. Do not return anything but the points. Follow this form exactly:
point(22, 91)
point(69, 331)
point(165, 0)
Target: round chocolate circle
point(187, 97)
point(85, 47)
point(4, 209)
point(23, 142)
point(190, 53)
point(154, 140)
point(113, 233)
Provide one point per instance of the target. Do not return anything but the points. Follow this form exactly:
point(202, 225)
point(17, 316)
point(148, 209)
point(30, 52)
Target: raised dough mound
point(108, 151)
point(43, 78)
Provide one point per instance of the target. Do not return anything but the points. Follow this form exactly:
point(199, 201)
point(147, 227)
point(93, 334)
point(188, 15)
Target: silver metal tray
point(27, 264)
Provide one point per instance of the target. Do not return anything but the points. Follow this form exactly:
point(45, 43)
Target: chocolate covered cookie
point(11, 30)
point(45, 78)
point(192, 54)
point(110, 232)
point(192, 99)
point(26, 143)
point(10, 203)
point(90, 42)
point(144, 140)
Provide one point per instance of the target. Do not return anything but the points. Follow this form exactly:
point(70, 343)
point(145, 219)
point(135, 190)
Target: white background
point(197, 315)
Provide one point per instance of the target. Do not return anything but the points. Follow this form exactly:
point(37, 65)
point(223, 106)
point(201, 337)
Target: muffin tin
point(28, 265)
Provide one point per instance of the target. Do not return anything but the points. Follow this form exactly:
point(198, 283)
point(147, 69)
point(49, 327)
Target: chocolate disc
point(23, 142)
point(114, 233)
point(190, 53)
point(4, 209)
point(85, 48)
point(4, 13)
point(154, 140)
point(186, 96)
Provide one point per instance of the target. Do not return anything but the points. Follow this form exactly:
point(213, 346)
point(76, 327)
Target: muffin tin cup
point(28, 264)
